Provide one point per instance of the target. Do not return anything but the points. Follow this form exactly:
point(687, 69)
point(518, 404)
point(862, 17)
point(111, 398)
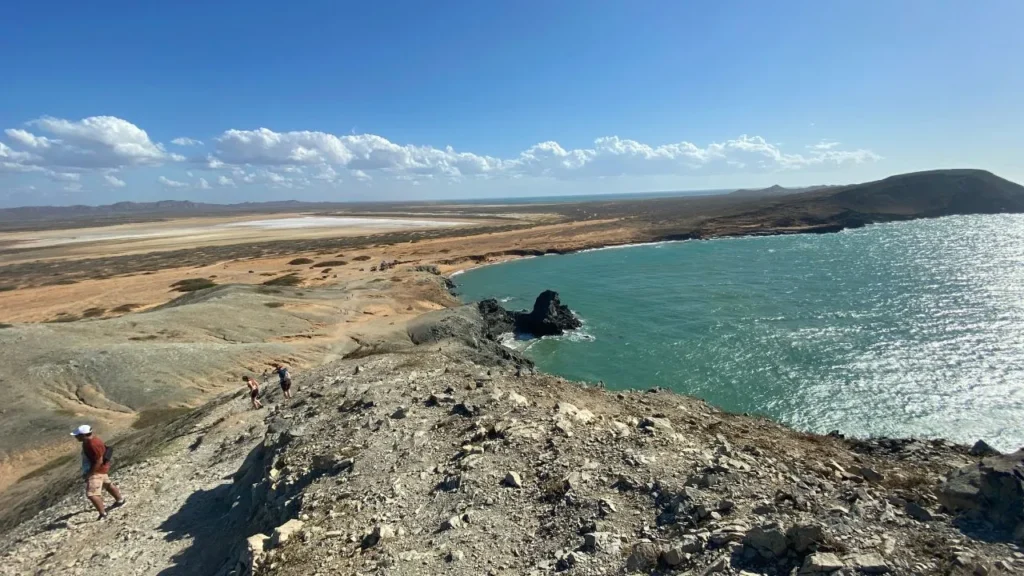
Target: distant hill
point(775, 190)
point(904, 197)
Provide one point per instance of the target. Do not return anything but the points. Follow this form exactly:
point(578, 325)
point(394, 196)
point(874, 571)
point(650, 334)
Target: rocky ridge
point(449, 457)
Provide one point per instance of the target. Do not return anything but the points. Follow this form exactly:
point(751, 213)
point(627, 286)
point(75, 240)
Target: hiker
point(95, 466)
point(254, 392)
point(284, 379)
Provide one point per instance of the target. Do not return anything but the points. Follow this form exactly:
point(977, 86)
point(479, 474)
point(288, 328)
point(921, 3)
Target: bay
point(902, 329)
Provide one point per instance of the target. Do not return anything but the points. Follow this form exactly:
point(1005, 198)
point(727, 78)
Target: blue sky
point(233, 101)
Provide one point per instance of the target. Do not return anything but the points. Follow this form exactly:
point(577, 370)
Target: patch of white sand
point(271, 224)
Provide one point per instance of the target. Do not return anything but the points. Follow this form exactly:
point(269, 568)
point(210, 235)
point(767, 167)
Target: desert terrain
point(133, 322)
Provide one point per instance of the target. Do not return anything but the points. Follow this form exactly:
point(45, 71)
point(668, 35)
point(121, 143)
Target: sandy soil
point(141, 291)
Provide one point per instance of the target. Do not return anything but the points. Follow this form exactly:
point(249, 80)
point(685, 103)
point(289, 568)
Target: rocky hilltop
point(450, 455)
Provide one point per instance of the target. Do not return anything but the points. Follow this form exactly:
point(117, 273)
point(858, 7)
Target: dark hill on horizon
point(928, 194)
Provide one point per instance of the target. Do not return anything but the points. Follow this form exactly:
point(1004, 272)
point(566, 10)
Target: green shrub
point(362, 258)
point(273, 304)
point(93, 312)
point(193, 284)
point(286, 280)
point(329, 264)
point(299, 261)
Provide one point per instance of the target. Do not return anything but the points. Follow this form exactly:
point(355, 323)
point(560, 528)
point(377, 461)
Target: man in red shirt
point(95, 467)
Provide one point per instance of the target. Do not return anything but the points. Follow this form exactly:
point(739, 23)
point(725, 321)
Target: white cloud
point(171, 183)
point(64, 176)
point(114, 181)
point(73, 187)
point(366, 154)
point(823, 145)
point(94, 142)
point(203, 184)
point(62, 149)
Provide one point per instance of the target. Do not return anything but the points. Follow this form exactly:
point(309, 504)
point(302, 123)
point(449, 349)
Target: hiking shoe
point(102, 517)
point(117, 504)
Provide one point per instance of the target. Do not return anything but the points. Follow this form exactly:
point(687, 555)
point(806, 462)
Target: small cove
point(904, 329)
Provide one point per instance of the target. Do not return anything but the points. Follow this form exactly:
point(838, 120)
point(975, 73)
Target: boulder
point(981, 448)
point(549, 317)
point(644, 557)
point(990, 491)
point(513, 480)
point(821, 563)
point(869, 563)
point(285, 531)
point(768, 541)
point(805, 537)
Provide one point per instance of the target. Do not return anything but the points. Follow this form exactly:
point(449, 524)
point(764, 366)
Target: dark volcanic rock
point(991, 491)
point(497, 320)
point(549, 317)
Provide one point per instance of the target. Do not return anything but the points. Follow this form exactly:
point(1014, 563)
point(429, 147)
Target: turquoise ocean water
point(905, 329)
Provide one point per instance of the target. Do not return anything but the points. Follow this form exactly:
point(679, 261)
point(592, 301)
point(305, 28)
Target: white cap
point(83, 429)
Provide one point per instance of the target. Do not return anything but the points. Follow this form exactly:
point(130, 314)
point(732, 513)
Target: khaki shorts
point(94, 484)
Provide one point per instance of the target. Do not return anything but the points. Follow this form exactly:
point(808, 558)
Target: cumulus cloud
point(366, 154)
point(64, 176)
point(171, 183)
point(114, 181)
point(61, 149)
point(94, 142)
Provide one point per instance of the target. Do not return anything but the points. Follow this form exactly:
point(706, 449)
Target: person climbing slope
point(284, 379)
point(254, 392)
point(95, 467)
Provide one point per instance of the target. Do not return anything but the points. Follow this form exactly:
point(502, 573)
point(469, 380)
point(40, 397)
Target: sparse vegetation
point(273, 304)
point(361, 258)
point(329, 263)
point(193, 284)
point(7, 288)
point(125, 308)
point(286, 280)
point(94, 312)
point(299, 261)
point(144, 338)
point(5, 325)
point(326, 271)
point(65, 317)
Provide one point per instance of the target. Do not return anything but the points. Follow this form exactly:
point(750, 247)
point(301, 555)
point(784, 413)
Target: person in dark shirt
point(284, 379)
point(95, 469)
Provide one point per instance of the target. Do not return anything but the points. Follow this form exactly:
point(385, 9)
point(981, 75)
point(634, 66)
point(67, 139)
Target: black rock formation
point(549, 317)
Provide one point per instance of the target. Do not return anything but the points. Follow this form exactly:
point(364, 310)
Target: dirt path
point(176, 506)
